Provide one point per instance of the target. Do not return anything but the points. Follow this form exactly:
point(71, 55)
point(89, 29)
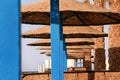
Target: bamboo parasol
point(79, 14)
point(76, 54)
point(69, 51)
point(69, 32)
point(69, 55)
point(72, 56)
point(67, 47)
point(69, 42)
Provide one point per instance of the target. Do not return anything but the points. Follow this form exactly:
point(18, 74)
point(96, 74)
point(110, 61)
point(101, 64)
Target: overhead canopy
point(75, 54)
point(80, 14)
point(69, 42)
point(68, 47)
point(72, 56)
point(69, 51)
point(68, 31)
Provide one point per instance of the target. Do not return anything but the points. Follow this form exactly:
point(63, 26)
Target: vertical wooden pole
point(9, 40)
point(56, 43)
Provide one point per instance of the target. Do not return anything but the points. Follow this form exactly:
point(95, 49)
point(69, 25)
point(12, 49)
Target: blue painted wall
point(9, 40)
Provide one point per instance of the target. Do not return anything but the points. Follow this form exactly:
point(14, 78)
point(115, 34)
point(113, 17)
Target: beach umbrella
point(68, 51)
point(68, 31)
point(80, 13)
point(76, 56)
point(70, 55)
point(73, 54)
point(67, 47)
point(69, 42)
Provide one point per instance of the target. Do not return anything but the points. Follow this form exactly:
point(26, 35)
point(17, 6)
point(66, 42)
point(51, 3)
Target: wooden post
point(9, 40)
point(56, 42)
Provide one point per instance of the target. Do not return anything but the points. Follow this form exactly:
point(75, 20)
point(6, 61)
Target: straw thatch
point(79, 14)
point(78, 56)
point(87, 60)
point(99, 59)
point(73, 54)
point(69, 32)
point(114, 40)
point(99, 43)
point(99, 52)
point(72, 51)
point(68, 47)
point(69, 42)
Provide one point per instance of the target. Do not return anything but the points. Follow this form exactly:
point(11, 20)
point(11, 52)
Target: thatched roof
point(71, 55)
point(68, 31)
point(79, 14)
point(68, 47)
point(75, 54)
point(69, 42)
point(69, 51)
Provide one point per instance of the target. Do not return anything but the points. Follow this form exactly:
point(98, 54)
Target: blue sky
point(30, 56)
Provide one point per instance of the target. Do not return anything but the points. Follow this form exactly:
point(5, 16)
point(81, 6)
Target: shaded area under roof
point(81, 14)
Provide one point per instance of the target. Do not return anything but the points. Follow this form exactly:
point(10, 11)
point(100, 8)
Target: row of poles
point(10, 24)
